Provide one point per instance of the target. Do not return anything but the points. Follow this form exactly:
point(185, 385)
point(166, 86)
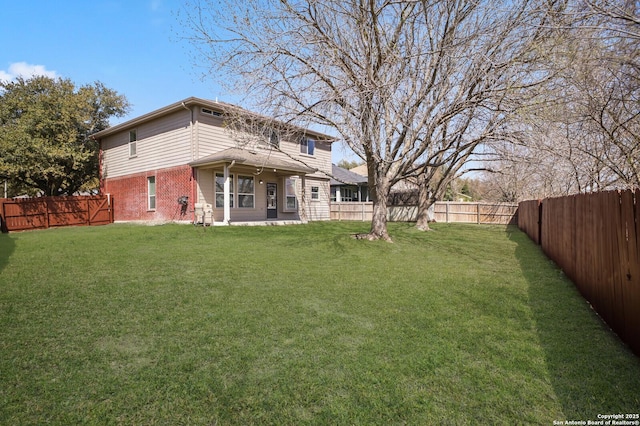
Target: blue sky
point(132, 46)
point(129, 45)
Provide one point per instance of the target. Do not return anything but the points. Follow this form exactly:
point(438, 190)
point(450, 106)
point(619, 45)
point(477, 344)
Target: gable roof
point(250, 158)
point(361, 170)
point(344, 176)
point(216, 106)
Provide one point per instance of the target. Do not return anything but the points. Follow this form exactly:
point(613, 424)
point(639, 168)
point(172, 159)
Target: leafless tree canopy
point(584, 133)
point(406, 84)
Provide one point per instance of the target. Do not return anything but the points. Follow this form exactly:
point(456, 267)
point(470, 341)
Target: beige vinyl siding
point(161, 143)
point(206, 189)
point(206, 194)
point(213, 138)
point(320, 160)
point(317, 209)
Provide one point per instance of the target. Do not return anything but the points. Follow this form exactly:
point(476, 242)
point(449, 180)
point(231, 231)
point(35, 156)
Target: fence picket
point(595, 240)
point(448, 212)
point(43, 212)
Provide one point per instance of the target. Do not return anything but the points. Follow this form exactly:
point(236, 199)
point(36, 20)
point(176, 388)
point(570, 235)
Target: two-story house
point(160, 165)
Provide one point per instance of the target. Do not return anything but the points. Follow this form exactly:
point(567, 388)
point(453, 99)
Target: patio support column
point(227, 194)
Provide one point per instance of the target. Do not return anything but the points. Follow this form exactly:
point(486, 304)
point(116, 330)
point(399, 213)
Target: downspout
point(303, 211)
point(191, 138)
point(192, 181)
point(101, 174)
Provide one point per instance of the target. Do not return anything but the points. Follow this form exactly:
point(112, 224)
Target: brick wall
point(130, 193)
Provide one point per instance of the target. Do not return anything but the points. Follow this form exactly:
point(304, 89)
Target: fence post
point(540, 222)
point(478, 212)
point(88, 212)
point(446, 212)
point(2, 227)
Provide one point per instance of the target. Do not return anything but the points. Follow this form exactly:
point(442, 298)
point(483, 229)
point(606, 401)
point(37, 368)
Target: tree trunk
point(379, 221)
point(380, 183)
point(425, 201)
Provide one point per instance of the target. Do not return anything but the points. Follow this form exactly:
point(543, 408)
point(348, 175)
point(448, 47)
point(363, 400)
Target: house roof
point(344, 176)
point(361, 170)
point(251, 158)
point(220, 107)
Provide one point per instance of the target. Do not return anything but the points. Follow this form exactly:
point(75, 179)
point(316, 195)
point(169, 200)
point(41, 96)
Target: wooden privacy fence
point(465, 212)
point(529, 218)
point(595, 239)
point(19, 214)
point(443, 211)
point(352, 211)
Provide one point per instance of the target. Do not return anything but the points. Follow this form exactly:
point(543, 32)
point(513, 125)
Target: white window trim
point(285, 207)
point(216, 175)
point(305, 142)
point(133, 144)
point(210, 112)
point(151, 196)
point(316, 193)
point(252, 194)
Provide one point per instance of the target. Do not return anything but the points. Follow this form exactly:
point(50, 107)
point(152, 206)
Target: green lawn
point(173, 324)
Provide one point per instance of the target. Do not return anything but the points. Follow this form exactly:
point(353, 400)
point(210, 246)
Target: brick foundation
point(131, 198)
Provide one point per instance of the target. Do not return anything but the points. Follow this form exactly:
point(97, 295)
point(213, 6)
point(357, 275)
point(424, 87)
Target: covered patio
point(245, 187)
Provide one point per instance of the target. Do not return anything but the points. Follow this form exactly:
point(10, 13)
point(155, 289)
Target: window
point(347, 194)
point(290, 195)
point(211, 112)
point(245, 191)
point(151, 192)
point(307, 146)
point(220, 190)
point(272, 137)
point(315, 193)
point(133, 138)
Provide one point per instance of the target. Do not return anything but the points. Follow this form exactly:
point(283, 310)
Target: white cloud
point(25, 70)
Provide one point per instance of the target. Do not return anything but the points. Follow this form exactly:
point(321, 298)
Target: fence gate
point(20, 214)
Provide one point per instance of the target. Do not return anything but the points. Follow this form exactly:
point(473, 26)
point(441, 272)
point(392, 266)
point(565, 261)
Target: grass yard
point(172, 324)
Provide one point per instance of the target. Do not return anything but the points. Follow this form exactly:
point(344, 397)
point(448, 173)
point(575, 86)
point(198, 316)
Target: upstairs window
point(272, 137)
point(307, 146)
point(211, 112)
point(133, 138)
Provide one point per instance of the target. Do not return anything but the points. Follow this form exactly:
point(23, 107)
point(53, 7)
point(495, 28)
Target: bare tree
point(603, 80)
point(584, 134)
point(408, 85)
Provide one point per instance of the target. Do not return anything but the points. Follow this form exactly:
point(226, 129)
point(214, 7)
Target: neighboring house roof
point(361, 170)
point(403, 185)
point(250, 158)
point(346, 177)
point(220, 107)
